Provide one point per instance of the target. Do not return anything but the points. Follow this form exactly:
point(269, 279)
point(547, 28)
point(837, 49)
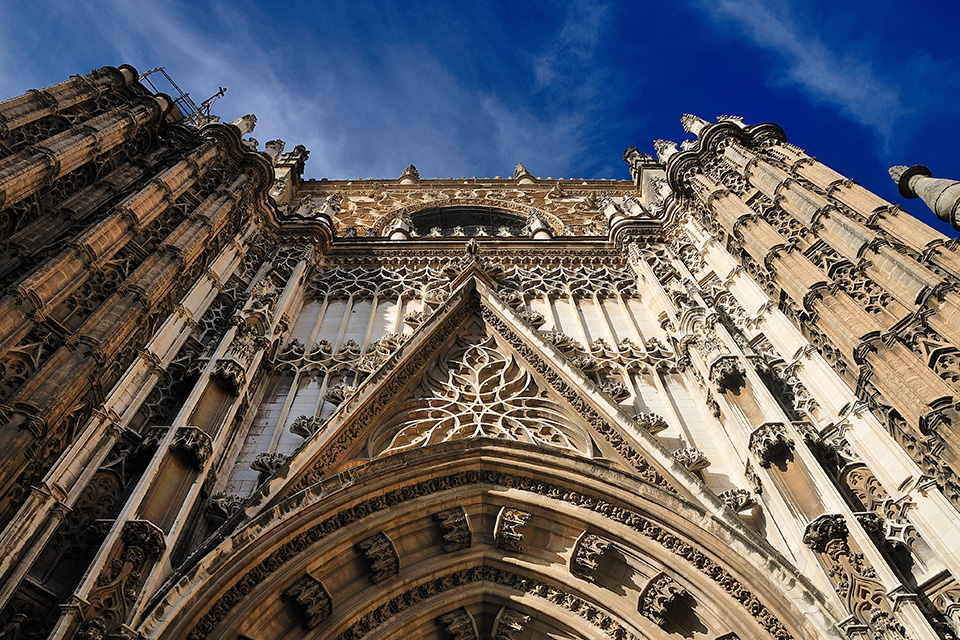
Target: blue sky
point(472, 88)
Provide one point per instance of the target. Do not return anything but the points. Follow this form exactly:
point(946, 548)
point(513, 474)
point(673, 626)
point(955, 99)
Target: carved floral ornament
point(513, 522)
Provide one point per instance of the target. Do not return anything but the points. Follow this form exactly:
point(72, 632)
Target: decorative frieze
point(382, 556)
point(456, 529)
point(312, 598)
point(508, 531)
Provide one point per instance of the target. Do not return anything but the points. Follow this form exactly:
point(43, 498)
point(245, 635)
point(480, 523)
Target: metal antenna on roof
point(192, 112)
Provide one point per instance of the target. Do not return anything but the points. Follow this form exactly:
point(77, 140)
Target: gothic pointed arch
point(432, 538)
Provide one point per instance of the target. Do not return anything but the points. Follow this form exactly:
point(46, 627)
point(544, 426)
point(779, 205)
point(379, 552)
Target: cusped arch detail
point(382, 223)
point(526, 509)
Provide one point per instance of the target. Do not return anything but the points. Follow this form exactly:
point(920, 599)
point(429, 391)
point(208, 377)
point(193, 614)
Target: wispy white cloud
point(362, 107)
point(838, 74)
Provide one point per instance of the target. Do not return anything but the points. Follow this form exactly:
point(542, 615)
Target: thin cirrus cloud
point(839, 75)
point(364, 107)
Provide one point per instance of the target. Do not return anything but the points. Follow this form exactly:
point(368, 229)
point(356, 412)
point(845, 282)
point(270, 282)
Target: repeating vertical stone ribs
point(456, 529)
point(854, 579)
point(382, 556)
point(141, 542)
point(312, 598)
point(508, 531)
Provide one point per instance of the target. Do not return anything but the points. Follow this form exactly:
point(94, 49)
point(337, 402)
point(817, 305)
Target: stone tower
point(717, 400)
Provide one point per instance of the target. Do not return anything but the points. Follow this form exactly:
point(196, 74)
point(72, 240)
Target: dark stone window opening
point(470, 220)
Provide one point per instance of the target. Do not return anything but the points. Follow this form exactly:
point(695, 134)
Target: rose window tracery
point(479, 390)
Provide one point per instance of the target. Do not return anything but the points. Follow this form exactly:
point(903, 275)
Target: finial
point(737, 120)
point(521, 174)
point(410, 176)
point(665, 149)
point(246, 123)
point(897, 171)
point(274, 148)
point(693, 124)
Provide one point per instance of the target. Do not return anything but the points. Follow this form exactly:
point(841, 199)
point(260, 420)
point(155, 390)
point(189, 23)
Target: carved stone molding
point(459, 624)
point(508, 531)
point(854, 580)
point(119, 584)
point(312, 598)
point(381, 553)
point(586, 555)
point(509, 624)
point(692, 458)
point(192, 443)
point(268, 463)
point(658, 596)
point(738, 499)
point(690, 553)
point(770, 442)
point(456, 529)
point(727, 373)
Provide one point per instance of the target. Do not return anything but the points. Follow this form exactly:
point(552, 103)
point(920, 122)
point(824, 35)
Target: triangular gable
point(343, 440)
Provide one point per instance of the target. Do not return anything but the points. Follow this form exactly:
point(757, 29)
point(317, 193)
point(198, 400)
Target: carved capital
point(459, 624)
point(380, 552)
point(268, 463)
point(231, 374)
point(508, 531)
point(456, 529)
point(586, 555)
point(657, 597)
point(305, 426)
point(650, 422)
point(313, 599)
point(830, 528)
point(509, 624)
point(738, 499)
point(143, 535)
point(770, 442)
point(727, 373)
point(692, 458)
point(193, 444)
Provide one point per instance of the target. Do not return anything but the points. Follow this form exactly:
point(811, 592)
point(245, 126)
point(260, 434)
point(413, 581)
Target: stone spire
point(940, 194)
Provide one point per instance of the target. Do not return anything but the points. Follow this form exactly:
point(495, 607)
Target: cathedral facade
point(717, 400)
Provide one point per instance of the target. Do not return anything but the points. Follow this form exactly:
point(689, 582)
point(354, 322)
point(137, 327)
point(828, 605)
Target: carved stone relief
point(382, 556)
point(508, 531)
